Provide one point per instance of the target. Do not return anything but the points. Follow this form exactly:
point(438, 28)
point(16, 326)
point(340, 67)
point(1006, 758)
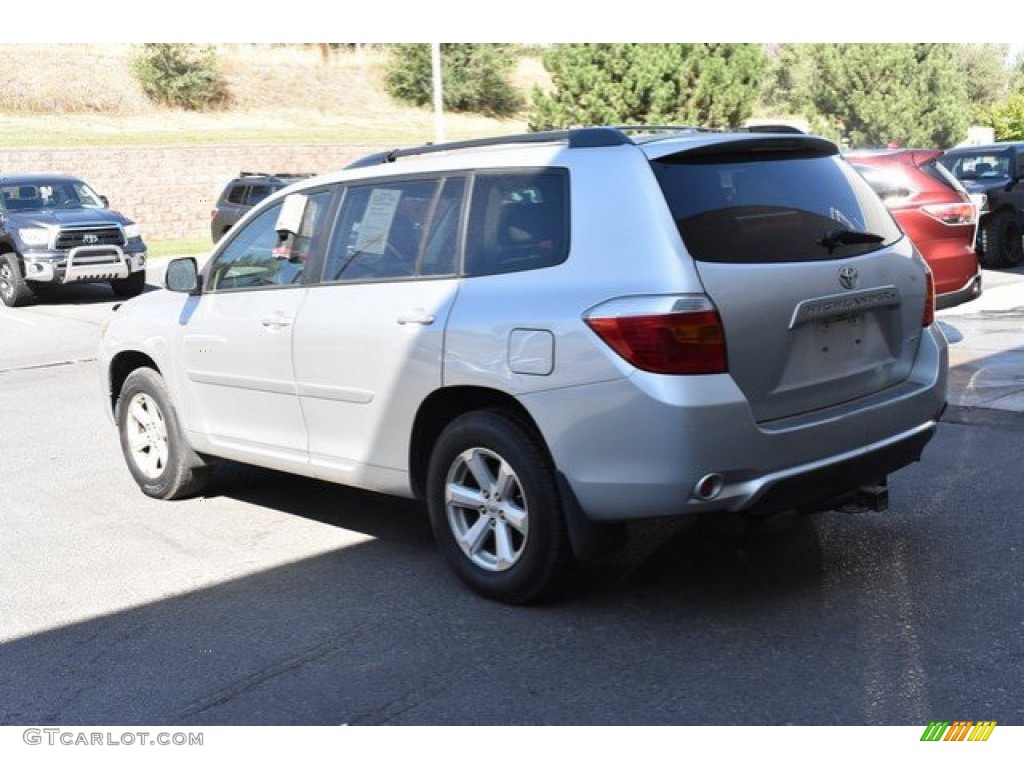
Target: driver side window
point(248, 260)
point(257, 256)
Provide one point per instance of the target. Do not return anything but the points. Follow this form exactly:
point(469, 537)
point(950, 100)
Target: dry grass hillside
point(78, 94)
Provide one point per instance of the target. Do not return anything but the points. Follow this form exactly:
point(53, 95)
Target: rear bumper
point(810, 487)
point(638, 447)
point(969, 292)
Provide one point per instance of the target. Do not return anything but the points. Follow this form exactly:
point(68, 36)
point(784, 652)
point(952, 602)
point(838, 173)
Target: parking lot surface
point(281, 600)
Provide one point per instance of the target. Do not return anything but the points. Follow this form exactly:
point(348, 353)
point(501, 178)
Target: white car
point(544, 336)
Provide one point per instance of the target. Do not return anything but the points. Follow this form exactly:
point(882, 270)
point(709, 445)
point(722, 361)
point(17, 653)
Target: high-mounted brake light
point(683, 335)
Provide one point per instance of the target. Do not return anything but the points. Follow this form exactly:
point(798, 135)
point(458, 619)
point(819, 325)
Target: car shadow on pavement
point(713, 556)
point(376, 632)
point(83, 293)
point(699, 622)
point(705, 554)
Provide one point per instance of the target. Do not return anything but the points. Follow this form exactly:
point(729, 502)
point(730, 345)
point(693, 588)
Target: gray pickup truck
point(56, 230)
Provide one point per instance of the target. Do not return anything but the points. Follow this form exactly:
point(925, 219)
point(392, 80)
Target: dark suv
point(992, 174)
point(242, 193)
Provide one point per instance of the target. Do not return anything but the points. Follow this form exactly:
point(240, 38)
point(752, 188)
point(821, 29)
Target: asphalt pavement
point(986, 345)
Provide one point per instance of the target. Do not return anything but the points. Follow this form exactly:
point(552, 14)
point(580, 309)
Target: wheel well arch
point(7, 246)
point(121, 367)
point(445, 405)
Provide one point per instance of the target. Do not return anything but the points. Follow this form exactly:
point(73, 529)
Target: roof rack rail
point(577, 138)
point(244, 174)
point(664, 129)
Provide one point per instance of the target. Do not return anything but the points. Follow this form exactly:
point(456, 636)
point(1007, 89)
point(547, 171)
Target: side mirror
point(182, 276)
point(105, 200)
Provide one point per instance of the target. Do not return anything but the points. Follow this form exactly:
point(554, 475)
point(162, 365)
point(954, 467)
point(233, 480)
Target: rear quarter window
point(735, 209)
point(518, 221)
point(237, 194)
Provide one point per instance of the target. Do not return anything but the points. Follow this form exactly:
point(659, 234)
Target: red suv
point(935, 211)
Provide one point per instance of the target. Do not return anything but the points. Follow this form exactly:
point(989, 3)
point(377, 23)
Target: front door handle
point(418, 316)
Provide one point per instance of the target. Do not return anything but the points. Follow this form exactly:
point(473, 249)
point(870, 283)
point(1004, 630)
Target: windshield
point(48, 194)
point(740, 210)
point(977, 166)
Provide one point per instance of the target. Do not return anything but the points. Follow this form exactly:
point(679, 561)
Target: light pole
point(435, 66)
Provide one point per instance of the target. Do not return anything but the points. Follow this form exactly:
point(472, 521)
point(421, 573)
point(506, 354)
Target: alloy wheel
point(487, 509)
point(6, 281)
point(146, 430)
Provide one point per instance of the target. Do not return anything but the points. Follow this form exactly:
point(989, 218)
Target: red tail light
point(929, 299)
point(681, 340)
point(952, 213)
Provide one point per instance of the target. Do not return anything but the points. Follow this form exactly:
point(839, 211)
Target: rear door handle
point(416, 316)
point(277, 320)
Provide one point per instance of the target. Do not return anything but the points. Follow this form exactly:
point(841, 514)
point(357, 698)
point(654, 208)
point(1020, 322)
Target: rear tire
point(494, 508)
point(1000, 241)
point(130, 286)
point(14, 288)
point(160, 460)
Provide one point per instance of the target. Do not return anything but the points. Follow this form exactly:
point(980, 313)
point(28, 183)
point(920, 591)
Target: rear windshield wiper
point(842, 236)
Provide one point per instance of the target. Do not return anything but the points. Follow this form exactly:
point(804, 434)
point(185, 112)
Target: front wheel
point(494, 507)
point(14, 288)
point(160, 460)
point(1001, 244)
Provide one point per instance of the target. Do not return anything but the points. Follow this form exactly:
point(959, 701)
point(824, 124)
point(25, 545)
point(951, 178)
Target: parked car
point(546, 336)
point(993, 172)
point(935, 211)
point(242, 193)
point(56, 230)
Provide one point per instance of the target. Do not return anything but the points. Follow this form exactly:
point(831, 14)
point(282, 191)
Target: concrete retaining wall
point(170, 191)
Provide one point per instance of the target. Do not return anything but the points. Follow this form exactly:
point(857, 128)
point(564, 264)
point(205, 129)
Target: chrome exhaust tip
point(709, 486)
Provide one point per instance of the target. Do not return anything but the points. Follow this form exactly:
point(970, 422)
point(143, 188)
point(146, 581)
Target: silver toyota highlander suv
point(544, 336)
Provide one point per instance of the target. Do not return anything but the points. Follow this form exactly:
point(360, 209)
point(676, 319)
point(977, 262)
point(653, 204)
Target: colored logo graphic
point(959, 730)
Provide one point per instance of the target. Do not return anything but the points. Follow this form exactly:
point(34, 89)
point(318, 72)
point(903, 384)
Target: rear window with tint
point(734, 209)
point(982, 165)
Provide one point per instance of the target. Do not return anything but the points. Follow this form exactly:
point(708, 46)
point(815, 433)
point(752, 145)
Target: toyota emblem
point(90, 239)
point(848, 277)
